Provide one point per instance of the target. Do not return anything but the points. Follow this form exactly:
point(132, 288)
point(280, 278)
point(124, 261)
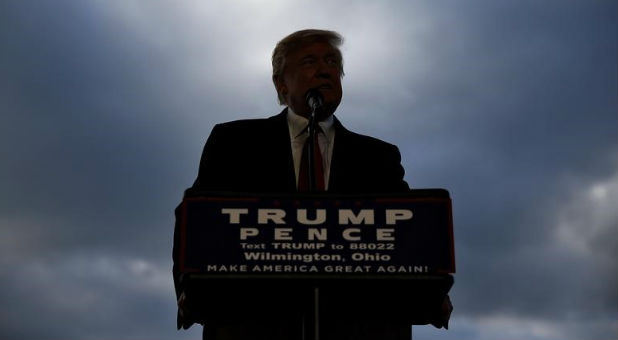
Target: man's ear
point(280, 85)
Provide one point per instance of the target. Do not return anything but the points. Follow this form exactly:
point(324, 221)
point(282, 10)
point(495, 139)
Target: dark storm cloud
point(91, 148)
point(528, 124)
point(81, 295)
point(86, 132)
point(509, 105)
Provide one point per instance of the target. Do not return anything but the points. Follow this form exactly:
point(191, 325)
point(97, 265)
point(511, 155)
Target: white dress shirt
point(299, 134)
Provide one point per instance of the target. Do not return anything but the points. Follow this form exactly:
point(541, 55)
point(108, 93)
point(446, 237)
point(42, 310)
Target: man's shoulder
point(242, 123)
point(370, 140)
point(360, 140)
point(254, 124)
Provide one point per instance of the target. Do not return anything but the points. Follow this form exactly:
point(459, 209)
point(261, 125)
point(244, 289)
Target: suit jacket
point(255, 156)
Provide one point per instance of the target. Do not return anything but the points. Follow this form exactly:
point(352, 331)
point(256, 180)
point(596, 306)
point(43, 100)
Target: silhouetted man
point(265, 156)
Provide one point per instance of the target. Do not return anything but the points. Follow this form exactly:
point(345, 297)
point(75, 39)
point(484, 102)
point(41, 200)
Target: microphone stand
point(314, 101)
point(311, 160)
point(312, 188)
point(315, 332)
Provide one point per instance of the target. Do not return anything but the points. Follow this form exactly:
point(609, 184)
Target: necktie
point(318, 171)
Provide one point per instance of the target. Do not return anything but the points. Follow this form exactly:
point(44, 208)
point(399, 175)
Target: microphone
point(314, 99)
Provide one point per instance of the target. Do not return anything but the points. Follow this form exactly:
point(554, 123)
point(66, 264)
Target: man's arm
point(394, 171)
point(209, 171)
point(214, 161)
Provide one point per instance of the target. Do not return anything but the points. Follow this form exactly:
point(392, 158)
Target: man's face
point(312, 66)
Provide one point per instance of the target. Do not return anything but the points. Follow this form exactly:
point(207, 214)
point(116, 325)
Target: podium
point(315, 261)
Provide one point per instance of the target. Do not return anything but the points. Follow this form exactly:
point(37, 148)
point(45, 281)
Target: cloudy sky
point(510, 105)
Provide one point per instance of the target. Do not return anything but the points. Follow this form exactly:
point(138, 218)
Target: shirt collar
point(298, 124)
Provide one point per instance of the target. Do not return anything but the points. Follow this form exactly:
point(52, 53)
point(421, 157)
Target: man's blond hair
point(297, 40)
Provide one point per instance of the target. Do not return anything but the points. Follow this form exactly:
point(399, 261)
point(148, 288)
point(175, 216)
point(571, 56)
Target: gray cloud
point(509, 105)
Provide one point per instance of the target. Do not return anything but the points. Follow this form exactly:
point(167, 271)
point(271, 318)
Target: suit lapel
point(281, 150)
point(338, 160)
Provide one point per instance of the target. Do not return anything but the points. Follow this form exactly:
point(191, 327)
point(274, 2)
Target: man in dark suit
point(265, 156)
point(256, 156)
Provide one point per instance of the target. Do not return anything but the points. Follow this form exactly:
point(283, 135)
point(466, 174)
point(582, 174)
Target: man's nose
point(321, 73)
point(325, 70)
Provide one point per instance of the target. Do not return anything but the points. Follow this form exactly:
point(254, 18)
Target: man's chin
point(325, 111)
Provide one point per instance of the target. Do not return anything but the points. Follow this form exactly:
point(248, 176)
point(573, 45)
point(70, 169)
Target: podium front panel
point(317, 236)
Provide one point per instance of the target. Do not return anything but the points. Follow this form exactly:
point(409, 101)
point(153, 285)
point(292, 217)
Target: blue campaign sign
point(406, 234)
